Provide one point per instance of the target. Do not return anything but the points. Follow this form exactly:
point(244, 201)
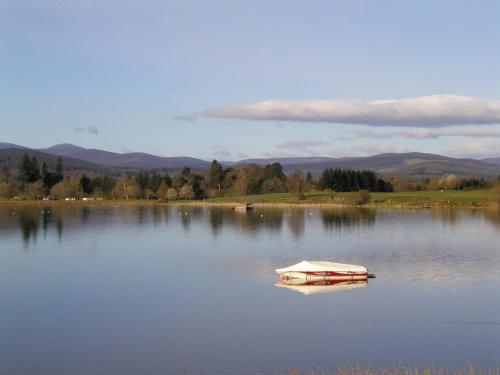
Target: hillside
point(412, 164)
point(495, 161)
point(10, 158)
point(4, 145)
point(137, 160)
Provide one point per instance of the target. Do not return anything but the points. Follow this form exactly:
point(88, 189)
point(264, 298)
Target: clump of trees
point(472, 183)
point(352, 180)
point(35, 182)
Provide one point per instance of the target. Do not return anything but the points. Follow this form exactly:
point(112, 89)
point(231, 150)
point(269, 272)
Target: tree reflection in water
point(340, 219)
point(31, 218)
point(29, 222)
point(216, 217)
point(257, 219)
point(296, 222)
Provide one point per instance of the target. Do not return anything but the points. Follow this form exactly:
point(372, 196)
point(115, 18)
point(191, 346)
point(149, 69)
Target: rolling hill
point(137, 160)
point(495, 161)
point(10, 158)
point(412, 164)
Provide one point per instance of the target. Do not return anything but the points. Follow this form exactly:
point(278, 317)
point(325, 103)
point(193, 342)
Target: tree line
point(32, 181)
point(447, 182)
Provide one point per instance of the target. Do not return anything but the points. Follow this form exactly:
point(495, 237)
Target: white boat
point(321, 286)
point(318, 270)
point(243, 207)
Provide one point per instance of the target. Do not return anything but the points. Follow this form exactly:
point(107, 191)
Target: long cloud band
point(427, 111)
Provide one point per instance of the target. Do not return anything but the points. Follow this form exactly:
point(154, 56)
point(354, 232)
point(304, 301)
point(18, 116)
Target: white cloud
point(476, 149)
point(126, 150)
point(427, 111)
point(301, 144)
point(92, 129)
point(356, 150)
point(368, 149)
point(221, 153)
point(426, 133)
point(242, 155)
point(302, 147)
point(186, 118)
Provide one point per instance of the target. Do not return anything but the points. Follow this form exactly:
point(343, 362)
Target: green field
point(469, 198)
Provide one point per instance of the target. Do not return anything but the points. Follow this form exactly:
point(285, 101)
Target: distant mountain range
point(138, 160)
point(413, 164)
point(492, 160)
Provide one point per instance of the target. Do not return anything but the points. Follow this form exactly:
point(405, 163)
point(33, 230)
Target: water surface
point(161, 290)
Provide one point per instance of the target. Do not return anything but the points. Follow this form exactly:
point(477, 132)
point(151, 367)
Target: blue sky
point(127, 75)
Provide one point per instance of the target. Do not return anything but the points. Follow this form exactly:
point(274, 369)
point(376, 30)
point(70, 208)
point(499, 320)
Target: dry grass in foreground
point(398, 371)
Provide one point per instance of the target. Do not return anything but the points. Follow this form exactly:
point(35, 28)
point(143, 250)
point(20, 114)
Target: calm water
point(157, 290)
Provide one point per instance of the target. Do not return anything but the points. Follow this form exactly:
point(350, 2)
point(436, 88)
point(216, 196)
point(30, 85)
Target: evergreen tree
point(58, 175)
point(29, 170)
point(167, 180)
point(352, 180)
point(59, 167)
point(35, 170)
point(45, 174)
point(47, 177)
point(154, 182)
point(142, 180)
point(215, 175)
point(274, 170)
point(25, 169)
point(86, 184)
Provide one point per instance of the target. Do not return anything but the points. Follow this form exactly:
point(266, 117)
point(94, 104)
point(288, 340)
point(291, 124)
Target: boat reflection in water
point(320, 286)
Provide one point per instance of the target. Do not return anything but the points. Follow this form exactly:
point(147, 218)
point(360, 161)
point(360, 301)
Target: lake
point(189, 289)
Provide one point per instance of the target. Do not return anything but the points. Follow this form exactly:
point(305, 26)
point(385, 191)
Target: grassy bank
point(417, 199)
point(469, 198)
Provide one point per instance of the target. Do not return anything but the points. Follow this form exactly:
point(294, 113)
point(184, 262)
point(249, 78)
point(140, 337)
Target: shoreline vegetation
point(260, 185)
point(482, 198)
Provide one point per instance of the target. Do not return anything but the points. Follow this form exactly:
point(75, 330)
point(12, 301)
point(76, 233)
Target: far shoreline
point(477, 199)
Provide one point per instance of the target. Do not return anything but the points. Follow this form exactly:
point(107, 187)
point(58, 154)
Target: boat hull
point(323, 275)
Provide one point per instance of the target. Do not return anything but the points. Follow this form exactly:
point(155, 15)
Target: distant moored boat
point(243, 207)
